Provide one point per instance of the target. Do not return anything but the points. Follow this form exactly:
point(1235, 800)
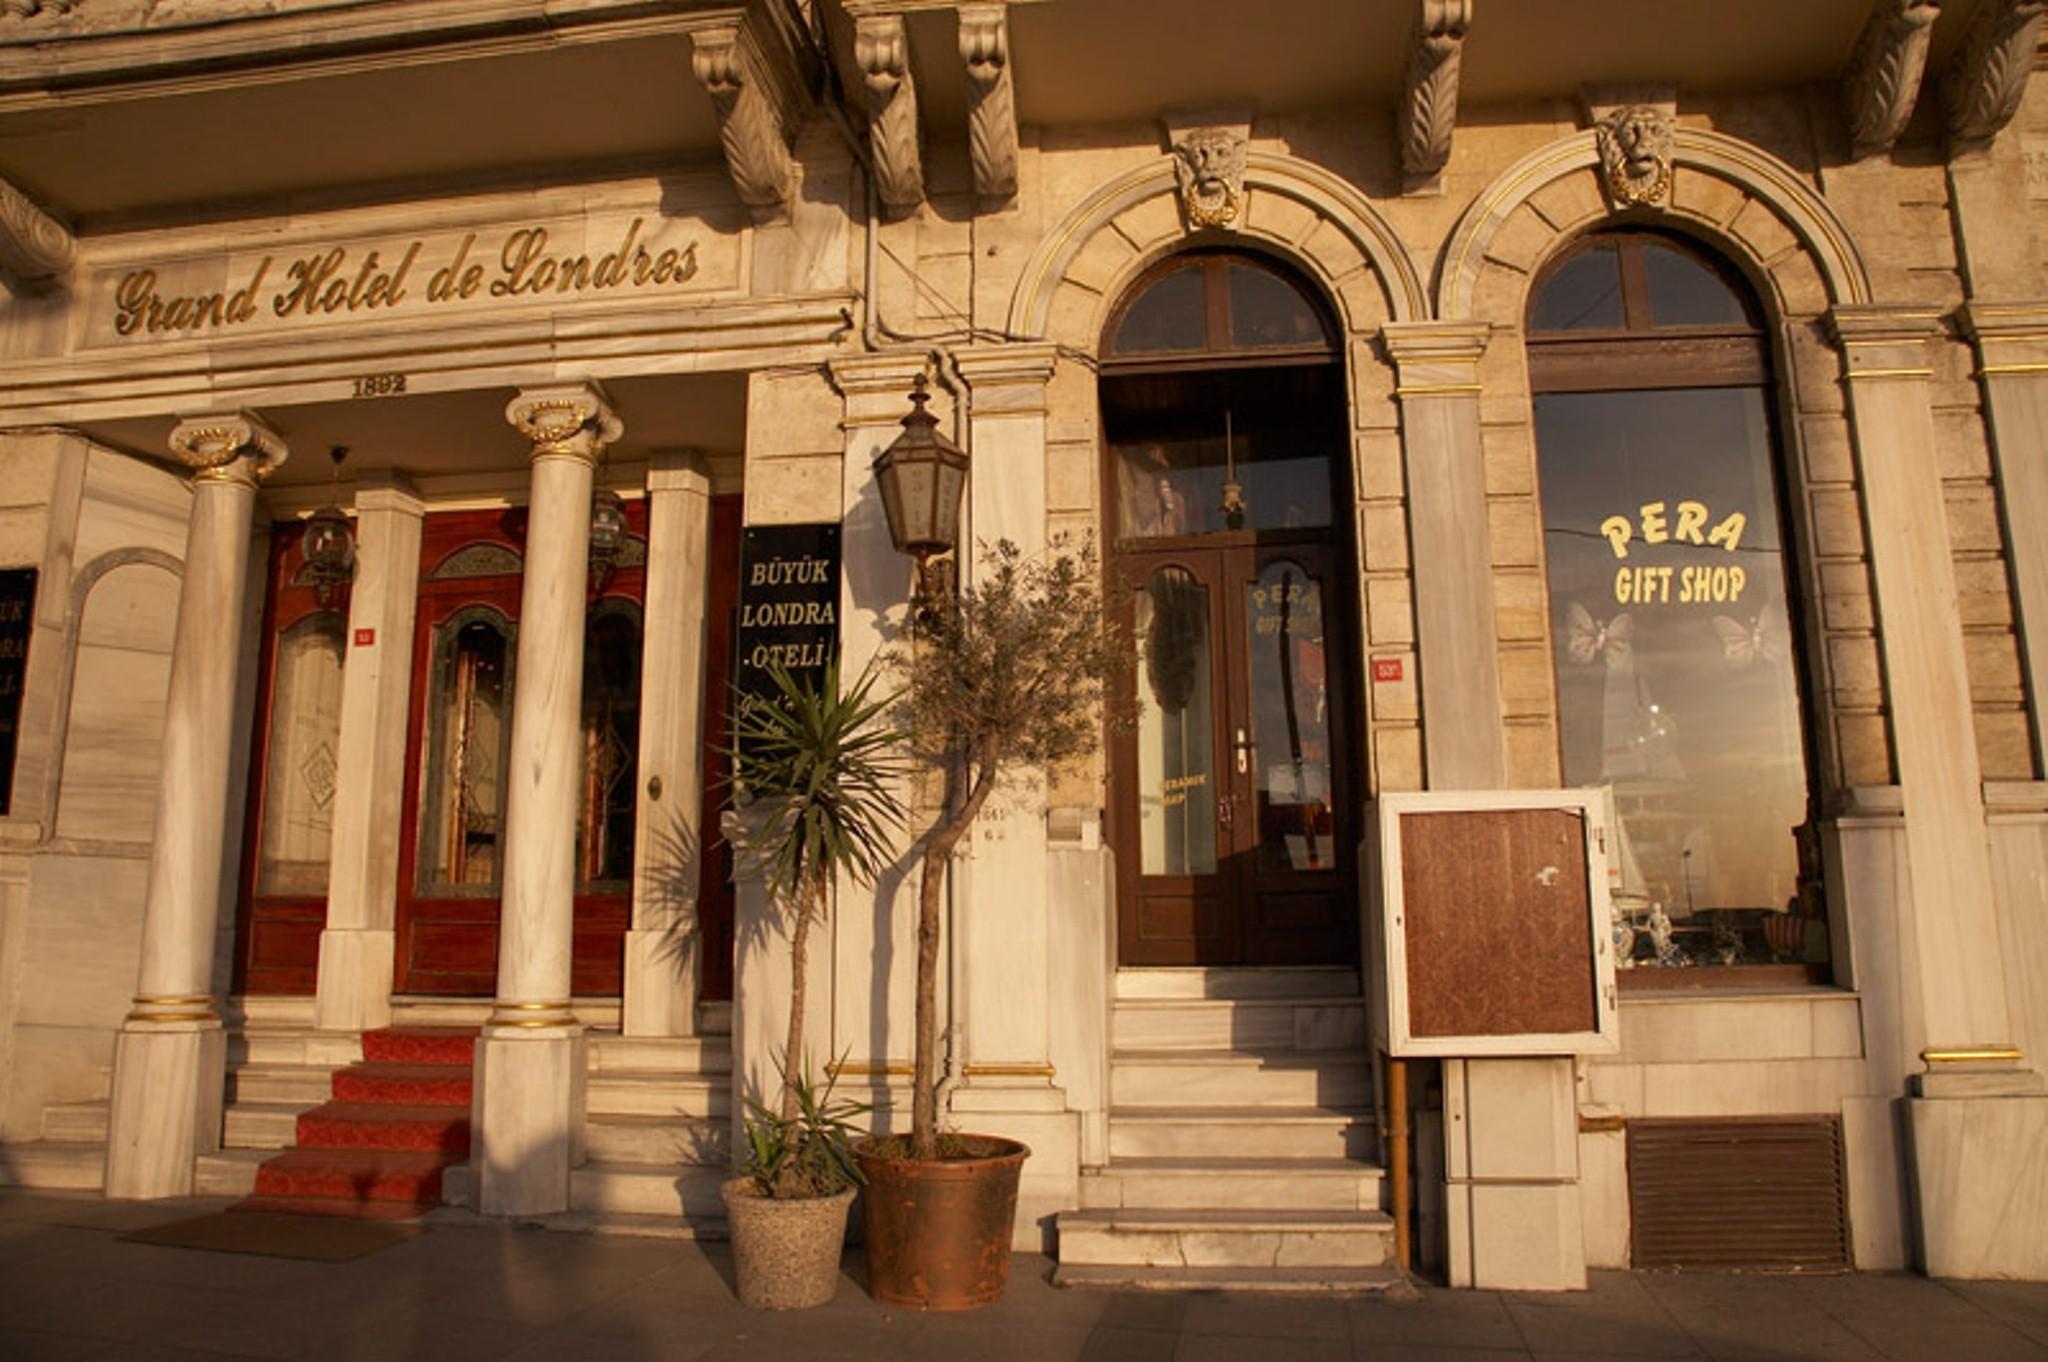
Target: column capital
point(573, 421)
point(234, 447)
point(1436, 359)
point(877, 387)
point(387, 489)
point(679, 470)
point(2011, 338)
point(1007, 380)
point(1880, 341)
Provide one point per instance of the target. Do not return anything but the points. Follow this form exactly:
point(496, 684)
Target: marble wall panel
point(114, 734)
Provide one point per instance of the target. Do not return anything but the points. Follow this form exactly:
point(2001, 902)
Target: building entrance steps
point(395, 1122)
point(1241, 1138)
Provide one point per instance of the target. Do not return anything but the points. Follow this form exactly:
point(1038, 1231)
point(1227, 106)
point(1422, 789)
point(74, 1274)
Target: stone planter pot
point(938, 1233)
point(785, 1254)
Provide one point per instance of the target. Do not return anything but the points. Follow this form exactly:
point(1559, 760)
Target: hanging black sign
point(789, 606)
point(17, 618)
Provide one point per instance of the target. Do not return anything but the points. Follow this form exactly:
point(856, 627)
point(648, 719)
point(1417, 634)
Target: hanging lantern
point(922, 475)
point(607, 532)
point(328, 546)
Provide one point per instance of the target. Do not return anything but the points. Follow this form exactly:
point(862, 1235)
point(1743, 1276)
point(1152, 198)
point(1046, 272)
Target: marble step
point(1241, 1132)
point(270, 1010)
point(660, 1055)
point(263, 1125)
point(598, 1014)
point(229, 1172)
point(1219, 1239)
point(659, 1140)
point(76, 1123)
point(1354, 1281)
point(1224, 1078)
point(1275, 981)
point(280, 1083)
point(690, 1194)
point(1232, 1184)
point(657, 1095)
point(278, 1046)
point(618, 1224)
point(1264, 1024)
point(55, 1166)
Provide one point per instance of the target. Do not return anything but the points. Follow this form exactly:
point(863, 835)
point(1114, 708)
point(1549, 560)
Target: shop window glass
point(611, 743)
point(299, 784)
point(1176, 727)
point(1670, 600)
point(462, 774)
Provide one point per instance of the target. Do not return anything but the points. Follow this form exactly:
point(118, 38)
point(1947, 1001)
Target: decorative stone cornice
point(882, 48)
point(1988, 75)
point(752, 74)
point(30, 9)
point(234, 447)
point(1208, 166)
point(1882, 79)
point(572, 421)
point(1427, 111)
point(991, 98)
point(33, 244)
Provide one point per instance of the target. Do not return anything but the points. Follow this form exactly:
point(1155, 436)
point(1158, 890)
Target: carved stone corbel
point(33, 244)
point(882, 48)
point(991, 99)
point(1428, 109)
point(29, 9)
point(758, 96)
point(1988, 76)
point(1882, 79)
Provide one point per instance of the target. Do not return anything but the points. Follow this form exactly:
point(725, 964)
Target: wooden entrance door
point(1232, 799)
point(464, 648)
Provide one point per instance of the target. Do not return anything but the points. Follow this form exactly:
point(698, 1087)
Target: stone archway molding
point(1327, 195)
point(1763, 177)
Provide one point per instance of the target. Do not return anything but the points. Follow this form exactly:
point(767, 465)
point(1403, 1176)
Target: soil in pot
point(938, 1233)
point(785, 1253)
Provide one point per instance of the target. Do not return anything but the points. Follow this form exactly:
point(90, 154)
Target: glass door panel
point(1176, 727)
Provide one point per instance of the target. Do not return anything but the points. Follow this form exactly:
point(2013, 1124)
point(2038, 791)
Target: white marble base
point(1603, 1189)
point(355, 979)
point(661, 983)
point(528, 1117)
point(1980, 1167)
point(166, 1112)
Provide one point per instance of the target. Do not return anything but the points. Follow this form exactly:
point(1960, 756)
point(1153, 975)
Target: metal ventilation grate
point(1763, 1193)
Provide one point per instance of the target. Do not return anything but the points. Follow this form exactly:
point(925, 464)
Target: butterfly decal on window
point(1760, 640)
point(1588, 640)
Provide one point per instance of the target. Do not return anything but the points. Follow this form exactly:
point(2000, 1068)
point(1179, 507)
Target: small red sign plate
point(365, 637)
point(1386, 669)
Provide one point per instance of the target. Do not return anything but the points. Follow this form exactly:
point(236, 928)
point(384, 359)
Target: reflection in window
point(1685, 291)
point(1267, 310)
point(1290, 720)
point(1674, 664)
point(298, 788)
point(469, 723)
point(611, 743)
point(1167, 316)
point(1176, 728)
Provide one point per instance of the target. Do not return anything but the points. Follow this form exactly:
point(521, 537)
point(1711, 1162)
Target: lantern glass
point(329, 550)
point(921, 476)
point(607, 527)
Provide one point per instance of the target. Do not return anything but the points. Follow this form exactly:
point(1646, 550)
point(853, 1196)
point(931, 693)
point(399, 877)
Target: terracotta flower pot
point(785, 1254)
point(938, 1233)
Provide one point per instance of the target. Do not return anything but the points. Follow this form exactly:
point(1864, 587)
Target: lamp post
point(922, 475)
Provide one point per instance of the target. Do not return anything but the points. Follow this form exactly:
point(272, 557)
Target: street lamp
point(921, 475)
point(327, 546)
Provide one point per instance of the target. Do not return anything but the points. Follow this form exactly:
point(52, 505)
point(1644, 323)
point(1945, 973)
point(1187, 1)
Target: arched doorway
point(1233, 795)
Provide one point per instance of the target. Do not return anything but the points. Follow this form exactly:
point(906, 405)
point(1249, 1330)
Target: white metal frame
point(1386, 814)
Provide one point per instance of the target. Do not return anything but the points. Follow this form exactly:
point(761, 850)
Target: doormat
point(315, 1238)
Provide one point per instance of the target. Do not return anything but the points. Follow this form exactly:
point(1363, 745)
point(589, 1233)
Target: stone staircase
point(70, 1156)
point(1241, 1138)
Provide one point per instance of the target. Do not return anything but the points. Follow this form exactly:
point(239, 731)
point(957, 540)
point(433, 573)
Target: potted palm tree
point(1009, 675)
point(814, 772)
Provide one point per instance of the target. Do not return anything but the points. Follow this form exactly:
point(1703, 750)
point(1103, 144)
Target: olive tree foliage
point(1013, 674)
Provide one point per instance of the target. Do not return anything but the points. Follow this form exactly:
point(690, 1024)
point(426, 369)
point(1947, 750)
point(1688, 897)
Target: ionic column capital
point(237, 447)
point(574, 421)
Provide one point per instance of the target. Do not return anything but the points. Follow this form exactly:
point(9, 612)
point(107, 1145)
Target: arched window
point(1671, 602)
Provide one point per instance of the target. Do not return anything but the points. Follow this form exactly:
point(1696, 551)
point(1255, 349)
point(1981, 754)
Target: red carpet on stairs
point(377, 1151)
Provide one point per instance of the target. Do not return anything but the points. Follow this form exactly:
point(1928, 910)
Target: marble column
point(357, 946)
point(169, 1058)
point(1977, 1116)
point(1511, 1206)
point(530, 1063)
point(664, 951)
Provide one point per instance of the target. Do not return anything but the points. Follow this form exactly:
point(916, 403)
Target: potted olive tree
point(1010, 675)
point(814, 771)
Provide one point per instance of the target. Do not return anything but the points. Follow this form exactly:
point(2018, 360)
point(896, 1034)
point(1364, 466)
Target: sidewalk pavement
point(70, 1289)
